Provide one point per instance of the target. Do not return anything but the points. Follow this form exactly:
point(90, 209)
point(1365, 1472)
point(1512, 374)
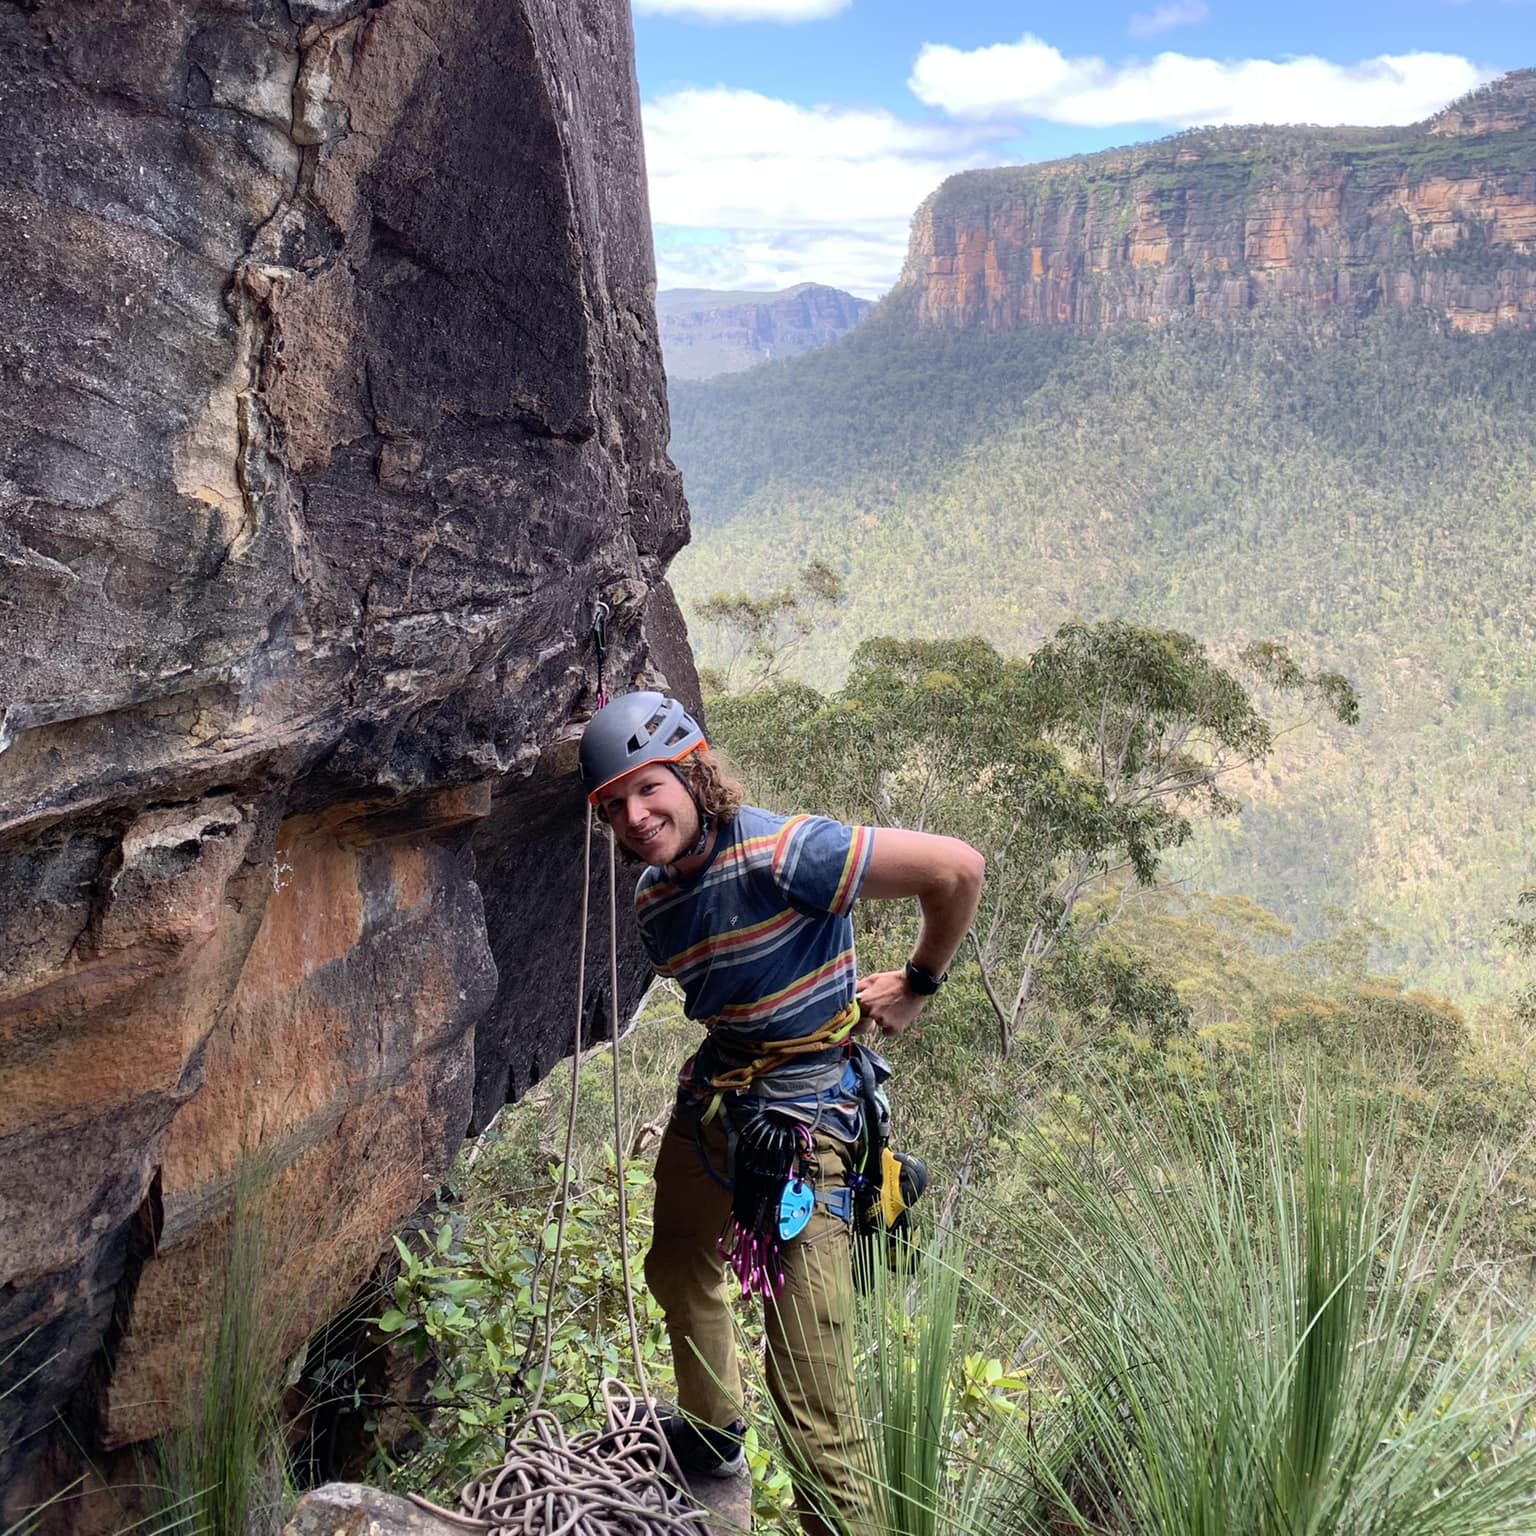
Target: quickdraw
point(767, 1172)
point(601, 613)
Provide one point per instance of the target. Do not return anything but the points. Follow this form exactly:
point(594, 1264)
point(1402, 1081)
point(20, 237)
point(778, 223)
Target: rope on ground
point(615, 1481)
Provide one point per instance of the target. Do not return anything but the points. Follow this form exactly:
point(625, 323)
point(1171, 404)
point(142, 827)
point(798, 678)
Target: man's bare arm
point(945, 875)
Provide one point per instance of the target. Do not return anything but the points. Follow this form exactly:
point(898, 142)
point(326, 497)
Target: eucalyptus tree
point(1084, 763)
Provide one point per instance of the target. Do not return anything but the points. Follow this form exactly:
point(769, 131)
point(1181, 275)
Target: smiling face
point(652, 814)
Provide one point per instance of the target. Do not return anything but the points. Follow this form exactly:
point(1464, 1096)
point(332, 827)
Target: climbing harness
point(772, 1191)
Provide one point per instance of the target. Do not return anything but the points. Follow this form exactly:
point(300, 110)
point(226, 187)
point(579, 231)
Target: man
point(749, 913)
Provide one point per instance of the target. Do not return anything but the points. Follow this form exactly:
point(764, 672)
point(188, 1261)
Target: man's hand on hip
point(886, 1003)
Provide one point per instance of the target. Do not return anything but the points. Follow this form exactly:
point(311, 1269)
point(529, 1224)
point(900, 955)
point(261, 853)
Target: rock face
point(705, 333)
point(330, 402)
point(1331, 222)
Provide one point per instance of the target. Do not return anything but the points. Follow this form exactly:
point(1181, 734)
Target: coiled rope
point(623, 1479)
point(609, 1481)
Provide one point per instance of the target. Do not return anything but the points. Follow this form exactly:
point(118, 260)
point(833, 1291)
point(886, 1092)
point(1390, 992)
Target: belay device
point(796, 1203)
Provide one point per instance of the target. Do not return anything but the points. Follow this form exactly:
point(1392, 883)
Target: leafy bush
point(471, 1301)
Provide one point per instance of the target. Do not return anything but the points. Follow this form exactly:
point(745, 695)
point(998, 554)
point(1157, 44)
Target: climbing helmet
point(634, 730)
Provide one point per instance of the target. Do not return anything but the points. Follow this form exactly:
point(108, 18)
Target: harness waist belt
point(765, 1056)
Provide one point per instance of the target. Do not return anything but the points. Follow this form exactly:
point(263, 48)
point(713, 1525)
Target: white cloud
point(725, 157)
point(1030, 78)
point(747, 190)
point(743, 10)
point(1177, 13)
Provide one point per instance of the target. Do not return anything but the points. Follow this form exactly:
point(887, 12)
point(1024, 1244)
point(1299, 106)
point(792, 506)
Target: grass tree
point(1265, 1336)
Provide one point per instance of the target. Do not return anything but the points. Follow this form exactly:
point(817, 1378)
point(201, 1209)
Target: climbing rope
point(599, 1484)
point(615, 1481)
point(563, 1200)
point(621, 1480)
point(618, 1121)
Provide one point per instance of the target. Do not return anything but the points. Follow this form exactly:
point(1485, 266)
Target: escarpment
point(330, 404)
point(1330, 222)
point(705, 333)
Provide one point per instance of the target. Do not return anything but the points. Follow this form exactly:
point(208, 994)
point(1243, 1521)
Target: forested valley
point(1365, 498)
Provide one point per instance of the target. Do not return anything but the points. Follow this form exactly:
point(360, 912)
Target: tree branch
point(1005, 1034)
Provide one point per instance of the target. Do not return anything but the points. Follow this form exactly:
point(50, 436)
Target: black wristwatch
point(921, 980)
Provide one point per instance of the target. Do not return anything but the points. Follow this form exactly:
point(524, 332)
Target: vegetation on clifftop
point(1406, 154)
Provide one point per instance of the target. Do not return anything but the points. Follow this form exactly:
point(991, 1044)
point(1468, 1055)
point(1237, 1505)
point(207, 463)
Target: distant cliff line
point(1334, 222)
point(707, 332)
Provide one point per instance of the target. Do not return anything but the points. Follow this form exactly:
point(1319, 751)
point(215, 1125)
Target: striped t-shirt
point(760, 939)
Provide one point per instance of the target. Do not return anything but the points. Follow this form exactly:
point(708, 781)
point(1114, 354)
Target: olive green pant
point(808, 1329)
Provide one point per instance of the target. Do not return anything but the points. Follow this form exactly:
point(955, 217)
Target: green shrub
point(471, 1301)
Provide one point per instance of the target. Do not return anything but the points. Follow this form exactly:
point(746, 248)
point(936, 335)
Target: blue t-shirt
point(760, 939)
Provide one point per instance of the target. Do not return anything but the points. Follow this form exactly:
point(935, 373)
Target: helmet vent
point(654, 723)
point(637, 742)
point(679, 734)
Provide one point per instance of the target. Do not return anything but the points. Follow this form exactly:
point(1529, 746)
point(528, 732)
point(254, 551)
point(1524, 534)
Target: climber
point(749, 913)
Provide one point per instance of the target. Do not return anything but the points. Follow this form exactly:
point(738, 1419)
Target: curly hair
point(711, 778)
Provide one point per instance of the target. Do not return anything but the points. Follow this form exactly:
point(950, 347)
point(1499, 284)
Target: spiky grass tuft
point(224, 1471)
point(1266, 1336)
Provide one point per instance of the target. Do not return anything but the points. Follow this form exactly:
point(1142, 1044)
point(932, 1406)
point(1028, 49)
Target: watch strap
point(922, 981)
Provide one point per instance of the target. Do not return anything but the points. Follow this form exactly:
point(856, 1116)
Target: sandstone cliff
point(330, 401)
point(1334, 222)
point(705, 333)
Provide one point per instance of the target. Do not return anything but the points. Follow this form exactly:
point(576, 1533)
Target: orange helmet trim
point(597, 794)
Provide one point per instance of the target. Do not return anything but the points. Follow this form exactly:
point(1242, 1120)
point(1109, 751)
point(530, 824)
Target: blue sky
point(791, 140)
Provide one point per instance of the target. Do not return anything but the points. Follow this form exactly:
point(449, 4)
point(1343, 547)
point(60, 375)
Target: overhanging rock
point(330, 401)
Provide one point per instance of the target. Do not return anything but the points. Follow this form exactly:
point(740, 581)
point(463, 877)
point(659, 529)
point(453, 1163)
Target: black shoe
point(705, 1452)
